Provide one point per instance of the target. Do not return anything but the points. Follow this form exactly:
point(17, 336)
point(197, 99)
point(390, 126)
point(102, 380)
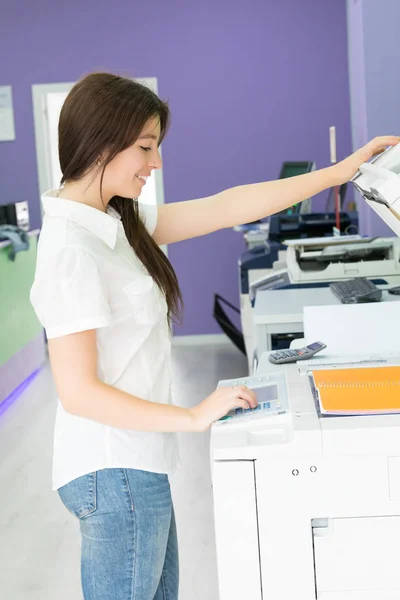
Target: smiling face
point(126, 174)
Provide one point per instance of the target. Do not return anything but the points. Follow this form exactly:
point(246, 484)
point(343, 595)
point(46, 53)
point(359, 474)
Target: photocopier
point(307, 505)
point(259, 260)
point(265, 266)
point(315, 262)
point(340, 258)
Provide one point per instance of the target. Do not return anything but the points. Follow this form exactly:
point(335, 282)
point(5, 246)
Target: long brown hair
point(103, 115)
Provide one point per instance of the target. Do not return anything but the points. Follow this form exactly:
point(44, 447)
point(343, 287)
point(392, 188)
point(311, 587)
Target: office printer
point(316, 262)
point(379, 184)
point(307, 505)
point(259, 261)
point(268, 261)
point(331, 259)
point(265, 267)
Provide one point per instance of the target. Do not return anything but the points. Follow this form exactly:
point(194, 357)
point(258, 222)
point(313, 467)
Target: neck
point(85, 192)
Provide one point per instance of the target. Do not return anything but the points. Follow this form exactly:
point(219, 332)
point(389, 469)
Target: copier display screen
point(266, 393)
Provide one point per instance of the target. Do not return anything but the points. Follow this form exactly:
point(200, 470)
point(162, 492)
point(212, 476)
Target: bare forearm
point(247, 203)
point(110, 406)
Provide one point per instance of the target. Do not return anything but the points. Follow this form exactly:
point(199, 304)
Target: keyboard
point(355, 291)
point(263, 409)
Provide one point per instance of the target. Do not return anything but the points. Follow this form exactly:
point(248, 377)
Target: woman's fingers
point(244, 393)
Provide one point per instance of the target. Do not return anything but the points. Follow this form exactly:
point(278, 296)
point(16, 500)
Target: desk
point(22, 342)
point(281, 311)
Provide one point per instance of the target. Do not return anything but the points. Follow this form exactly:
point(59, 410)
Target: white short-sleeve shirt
point(89, 277)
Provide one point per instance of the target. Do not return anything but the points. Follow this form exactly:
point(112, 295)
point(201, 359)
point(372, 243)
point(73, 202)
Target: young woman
point(106, 294)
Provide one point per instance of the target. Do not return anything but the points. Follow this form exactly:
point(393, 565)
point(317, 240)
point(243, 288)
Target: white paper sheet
point(344, 361)
point(347, 329)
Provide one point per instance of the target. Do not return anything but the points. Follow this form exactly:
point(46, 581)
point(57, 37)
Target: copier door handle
point(322, 527)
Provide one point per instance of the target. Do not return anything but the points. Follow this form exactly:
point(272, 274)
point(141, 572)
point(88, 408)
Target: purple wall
point(249, 85)
point(381, 79)
point(374, 87)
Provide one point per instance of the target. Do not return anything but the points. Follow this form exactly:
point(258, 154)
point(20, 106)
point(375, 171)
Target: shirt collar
point(104, 225)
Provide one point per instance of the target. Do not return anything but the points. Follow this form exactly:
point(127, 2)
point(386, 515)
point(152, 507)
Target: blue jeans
point(129, 542)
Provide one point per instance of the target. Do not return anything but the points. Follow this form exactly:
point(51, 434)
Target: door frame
point(39, 93)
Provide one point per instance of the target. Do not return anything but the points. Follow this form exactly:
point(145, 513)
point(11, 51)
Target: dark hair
point(103, 115)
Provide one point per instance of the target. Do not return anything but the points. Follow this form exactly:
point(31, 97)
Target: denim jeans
point(129, 543)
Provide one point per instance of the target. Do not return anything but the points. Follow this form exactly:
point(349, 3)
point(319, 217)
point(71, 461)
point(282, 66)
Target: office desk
point(281, 311)
point(22, 342)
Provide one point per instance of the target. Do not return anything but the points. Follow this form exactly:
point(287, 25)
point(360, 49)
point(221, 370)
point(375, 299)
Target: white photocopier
point(307, 506)
point(315, 260)
point(264, 265)
point(332, 259)
point(323, 260)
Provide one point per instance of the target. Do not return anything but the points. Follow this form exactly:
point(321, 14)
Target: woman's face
point(126, 174)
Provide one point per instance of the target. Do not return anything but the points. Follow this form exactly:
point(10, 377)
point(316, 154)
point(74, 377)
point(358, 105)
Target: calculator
point(288, 355)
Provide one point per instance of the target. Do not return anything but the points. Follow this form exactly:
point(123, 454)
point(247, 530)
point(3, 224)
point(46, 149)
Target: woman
point(106, 294)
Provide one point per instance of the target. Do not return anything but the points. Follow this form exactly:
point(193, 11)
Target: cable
point(337, 207)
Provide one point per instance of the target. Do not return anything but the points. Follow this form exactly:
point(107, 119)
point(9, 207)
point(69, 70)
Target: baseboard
point(200, 340)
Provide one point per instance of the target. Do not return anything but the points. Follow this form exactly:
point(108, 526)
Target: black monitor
point(292, 169)
point(292, 227)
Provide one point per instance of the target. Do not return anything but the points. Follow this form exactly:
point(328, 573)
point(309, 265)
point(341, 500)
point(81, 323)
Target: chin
point(129, 193)
point(136, 193)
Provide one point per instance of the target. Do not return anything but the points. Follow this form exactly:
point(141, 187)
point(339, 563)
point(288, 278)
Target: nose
point(156, 160)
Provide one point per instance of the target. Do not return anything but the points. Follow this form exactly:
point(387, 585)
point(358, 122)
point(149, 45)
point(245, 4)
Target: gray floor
point(39, 541)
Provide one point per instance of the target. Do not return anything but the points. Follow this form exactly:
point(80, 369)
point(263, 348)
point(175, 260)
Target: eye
point(145, 148)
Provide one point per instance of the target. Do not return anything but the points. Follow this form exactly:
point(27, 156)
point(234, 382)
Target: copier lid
point(379, 184)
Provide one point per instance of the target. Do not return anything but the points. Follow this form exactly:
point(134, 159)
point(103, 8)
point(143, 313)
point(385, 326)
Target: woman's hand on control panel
point(219, 403)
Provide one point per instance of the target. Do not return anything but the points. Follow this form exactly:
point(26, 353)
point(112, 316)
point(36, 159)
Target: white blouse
point(89, 277)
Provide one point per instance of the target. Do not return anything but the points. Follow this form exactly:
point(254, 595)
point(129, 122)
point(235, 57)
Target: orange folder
point(371, 390)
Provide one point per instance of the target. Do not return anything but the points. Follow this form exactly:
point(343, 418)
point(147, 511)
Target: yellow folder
point(371, 390)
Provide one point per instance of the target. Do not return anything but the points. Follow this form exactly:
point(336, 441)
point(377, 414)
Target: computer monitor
point(291, 169)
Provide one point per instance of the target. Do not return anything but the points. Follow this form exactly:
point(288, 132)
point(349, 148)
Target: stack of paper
point(358, 391)
point(348, 361)
point(355, 328)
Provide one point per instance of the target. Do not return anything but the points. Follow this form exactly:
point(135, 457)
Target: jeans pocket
point(79, 496)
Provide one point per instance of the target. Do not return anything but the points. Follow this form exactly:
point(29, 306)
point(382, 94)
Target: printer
point(305, 506)
point(271, 253)
point(318, 261)
point(340, 258)
point(331, 259)
point(265, 266)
